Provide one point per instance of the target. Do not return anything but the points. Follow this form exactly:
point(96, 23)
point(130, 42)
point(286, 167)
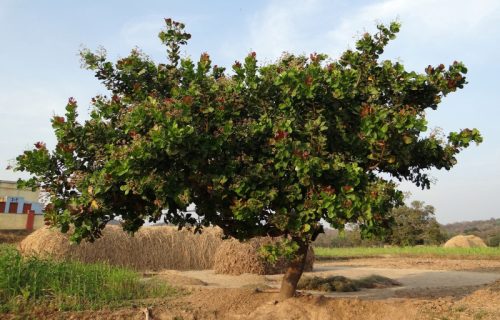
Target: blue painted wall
point(35, 206)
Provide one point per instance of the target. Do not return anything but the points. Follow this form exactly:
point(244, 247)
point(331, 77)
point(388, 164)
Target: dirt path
point(439, 282)
point(426, 293)
point(415, 282)
point(428, 263)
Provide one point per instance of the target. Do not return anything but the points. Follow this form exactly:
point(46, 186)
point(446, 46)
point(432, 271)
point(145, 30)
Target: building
point(13, 200)
point(19, 209)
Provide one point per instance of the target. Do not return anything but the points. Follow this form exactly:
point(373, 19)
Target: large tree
point(415, 225)
point(269, 149)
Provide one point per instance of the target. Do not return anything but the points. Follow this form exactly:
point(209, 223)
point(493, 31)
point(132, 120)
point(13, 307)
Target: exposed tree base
point(294, 272)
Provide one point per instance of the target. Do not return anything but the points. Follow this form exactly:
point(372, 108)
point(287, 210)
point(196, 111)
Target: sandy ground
point(413, 280)
point(444, 289)
point(430, 263)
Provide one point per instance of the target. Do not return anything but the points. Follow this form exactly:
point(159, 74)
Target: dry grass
point(462, 241)
point(13, 236)
point(235, 258)
point(151, 248)
point(343, 284)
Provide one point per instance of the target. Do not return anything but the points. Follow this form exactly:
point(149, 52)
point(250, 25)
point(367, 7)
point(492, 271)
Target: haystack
point(462, 241)
point(235, 258)
point(151, 248)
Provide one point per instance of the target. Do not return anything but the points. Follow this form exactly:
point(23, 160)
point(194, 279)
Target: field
point(420, 251)
point(26, 283)
point(432, 283)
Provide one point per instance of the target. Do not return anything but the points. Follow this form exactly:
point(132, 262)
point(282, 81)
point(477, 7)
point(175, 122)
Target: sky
point(40, 67)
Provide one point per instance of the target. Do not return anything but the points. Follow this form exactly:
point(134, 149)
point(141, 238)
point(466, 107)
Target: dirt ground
point(431, 289)
point(429, 263)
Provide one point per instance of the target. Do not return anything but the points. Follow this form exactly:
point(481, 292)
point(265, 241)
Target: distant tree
point(415, 225)
point(352, 237)
point(471, 230)
point(493, 240)
point(263, 150)
point(325, 239)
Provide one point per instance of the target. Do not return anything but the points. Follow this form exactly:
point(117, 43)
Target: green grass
point(26, 282)
point(420, 251)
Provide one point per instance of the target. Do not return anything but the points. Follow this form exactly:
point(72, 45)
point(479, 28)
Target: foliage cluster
point(413, 225)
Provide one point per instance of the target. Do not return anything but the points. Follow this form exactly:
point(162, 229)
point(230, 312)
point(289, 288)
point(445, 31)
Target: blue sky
point(40, 67)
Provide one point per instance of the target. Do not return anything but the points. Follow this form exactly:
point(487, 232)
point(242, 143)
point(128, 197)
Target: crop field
point(25, 283)
point(418, 251)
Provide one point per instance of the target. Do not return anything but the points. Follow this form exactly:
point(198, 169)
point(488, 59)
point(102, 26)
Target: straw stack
point(235, 258)
point(151, 248)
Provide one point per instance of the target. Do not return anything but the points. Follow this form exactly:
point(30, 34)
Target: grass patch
point(343, 284)
point(420, 251)
point(25, 282)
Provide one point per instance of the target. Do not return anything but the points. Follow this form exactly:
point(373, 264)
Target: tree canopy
point(265, 149)
point(415, 225)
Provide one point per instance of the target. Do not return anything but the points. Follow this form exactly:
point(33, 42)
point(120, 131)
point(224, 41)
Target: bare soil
point(428, 263)
point(431, 289)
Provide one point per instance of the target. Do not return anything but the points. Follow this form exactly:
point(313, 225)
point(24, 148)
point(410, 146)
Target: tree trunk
point(294, 271)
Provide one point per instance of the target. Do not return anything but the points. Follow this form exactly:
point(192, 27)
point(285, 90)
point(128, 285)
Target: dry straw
point(156, 248)
point(151, 248)
point(234, 257)
point(462, 241)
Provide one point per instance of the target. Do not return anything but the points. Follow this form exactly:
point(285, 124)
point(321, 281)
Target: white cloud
point(280, 26)
point(425, 22)
point(331, 26)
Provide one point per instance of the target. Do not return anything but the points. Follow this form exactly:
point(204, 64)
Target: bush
point(493, 240)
